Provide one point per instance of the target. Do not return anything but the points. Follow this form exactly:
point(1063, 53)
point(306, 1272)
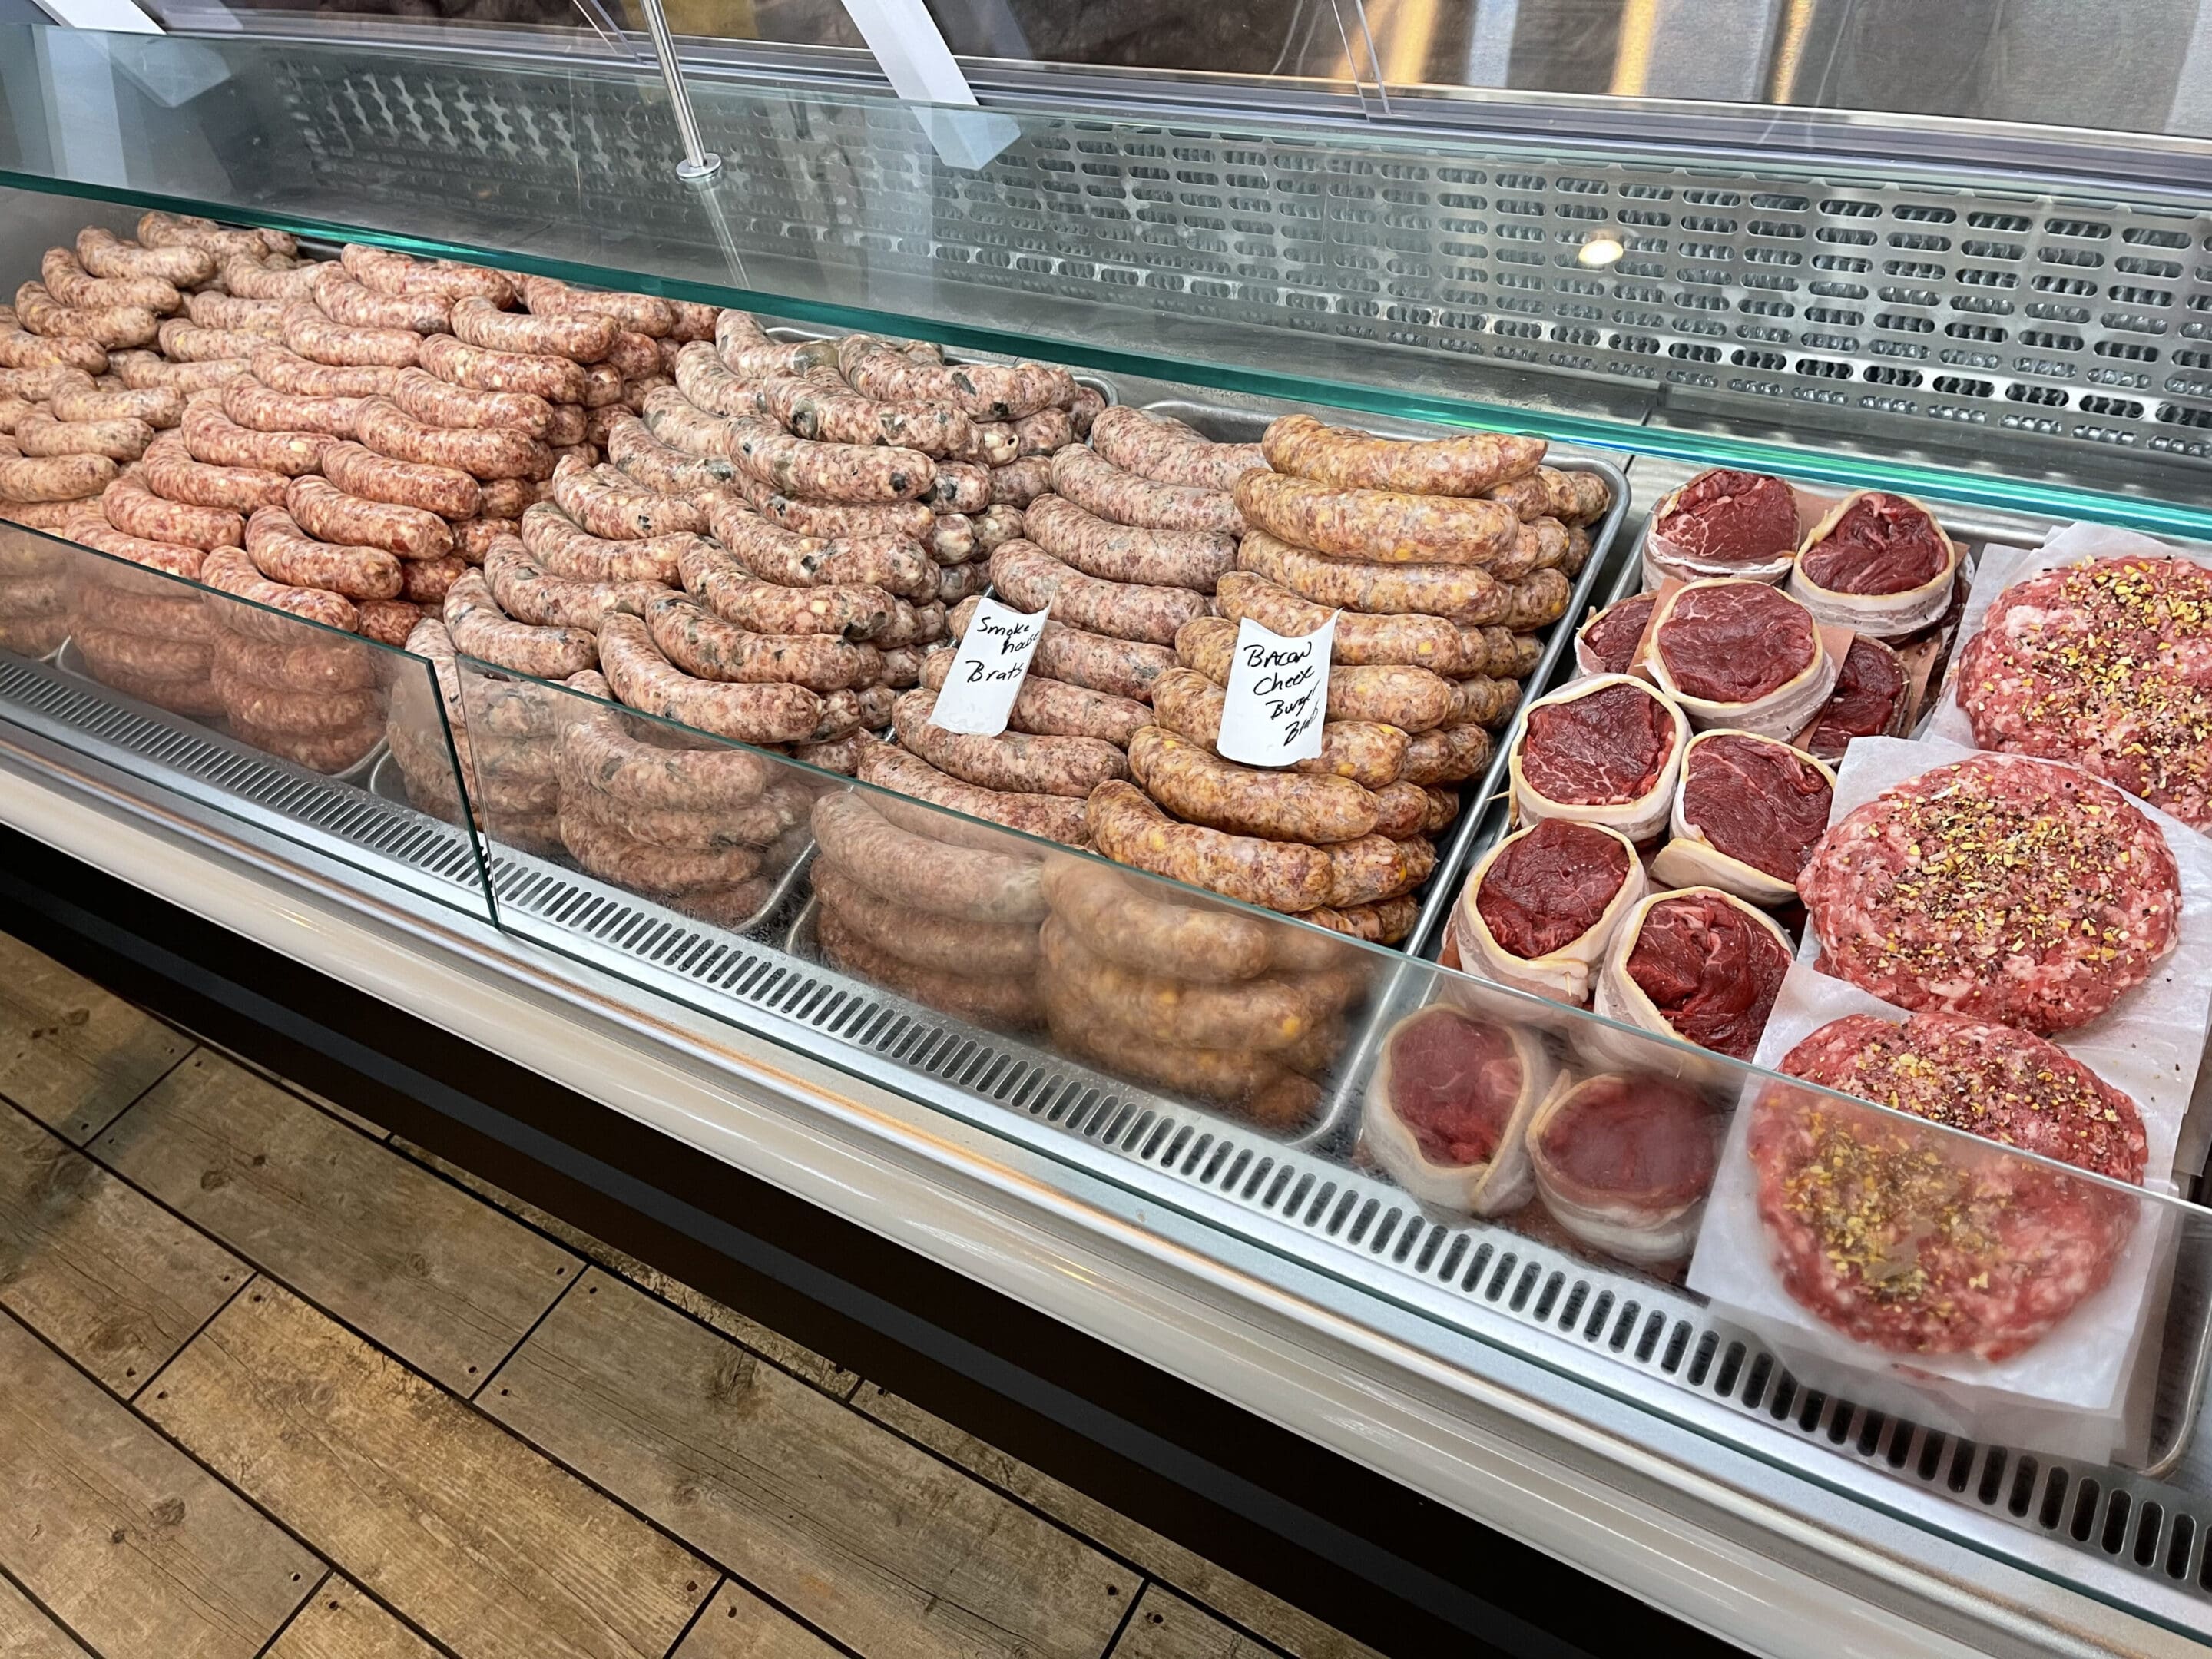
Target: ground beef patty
point(2107, 664)
point(2000, 887)
point(1909, 1241)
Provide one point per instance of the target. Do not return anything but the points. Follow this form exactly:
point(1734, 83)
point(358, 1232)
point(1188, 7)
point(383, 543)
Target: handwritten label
point(1277, 695)
point(987, 669)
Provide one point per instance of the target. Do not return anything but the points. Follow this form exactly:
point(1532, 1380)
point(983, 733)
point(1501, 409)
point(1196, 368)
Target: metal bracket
point(699, 164)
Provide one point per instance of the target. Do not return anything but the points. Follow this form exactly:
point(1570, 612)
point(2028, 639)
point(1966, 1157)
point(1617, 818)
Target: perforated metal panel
point(2054, 319)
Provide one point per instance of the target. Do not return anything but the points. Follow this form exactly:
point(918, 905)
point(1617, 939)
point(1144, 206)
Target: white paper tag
point(1277, 695)
point(987, 669)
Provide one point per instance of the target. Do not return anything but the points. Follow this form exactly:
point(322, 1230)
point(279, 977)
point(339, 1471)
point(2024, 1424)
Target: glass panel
point(1731, 1249)
point(1409, 276)
point(294, 729)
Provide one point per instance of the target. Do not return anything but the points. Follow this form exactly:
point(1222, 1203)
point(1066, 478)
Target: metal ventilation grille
point(1352, 1222)
point(2011, 311)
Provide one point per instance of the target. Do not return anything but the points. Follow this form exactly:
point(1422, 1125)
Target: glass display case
point(1940, 1376)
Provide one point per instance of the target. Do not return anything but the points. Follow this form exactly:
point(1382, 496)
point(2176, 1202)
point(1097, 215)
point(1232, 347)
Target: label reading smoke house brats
point(987, 669)
point(1277, 695)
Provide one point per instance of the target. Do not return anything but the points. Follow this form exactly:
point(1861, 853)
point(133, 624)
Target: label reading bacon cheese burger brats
point(1277, 695)
point(987, 673)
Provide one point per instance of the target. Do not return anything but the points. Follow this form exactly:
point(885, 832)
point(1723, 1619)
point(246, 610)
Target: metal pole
point(699, 162)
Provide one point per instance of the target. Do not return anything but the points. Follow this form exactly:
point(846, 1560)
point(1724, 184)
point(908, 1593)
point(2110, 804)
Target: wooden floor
point(275, 1382)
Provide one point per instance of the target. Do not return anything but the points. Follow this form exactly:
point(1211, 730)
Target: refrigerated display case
point(1992, 322)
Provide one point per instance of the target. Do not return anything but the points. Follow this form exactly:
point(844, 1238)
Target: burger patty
point(2107, 664)
point(1912, 1241)
point(2000, 887)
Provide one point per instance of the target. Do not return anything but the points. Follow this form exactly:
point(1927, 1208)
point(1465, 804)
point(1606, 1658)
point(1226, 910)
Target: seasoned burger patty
point(1711, 970)
point(1734, 641)
point(1728, 517)
point(1549, 887)
point(2107, 664)
point(1882, 545)
point(2000, 887)
point(1906, 1241)
point(1601, 750)
point(1756, 800)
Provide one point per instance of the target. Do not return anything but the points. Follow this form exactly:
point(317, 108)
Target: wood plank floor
point(276, 1385)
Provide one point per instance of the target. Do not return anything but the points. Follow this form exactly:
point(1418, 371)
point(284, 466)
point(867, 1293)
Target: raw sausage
point(1053, 709)
point(159, 229)
point(389, 622)
point(701, 643)
point(104, 254)
point(1140, 926)
point(998, 883)
point(1449, 754)
point(676, 420)
point(615, 855)
point(1042, 432)
point(1375, 868)
point(136, 510)
point(1097, 485)
point(312, 665)
point(283, 553)
point(1428, 642)
point(994, 526)
point(1462, 594)
point(819, 404)
point(826, 519)
point(640, 314)
point(212, 437)
point(39, 434)
point(390, 430)
point(55, 479)
point(581, 336)
point(345, 300)
point(1018, 764)
point(316, 336)
point(282, 370)
point(854, 473)
point(252, 279)
point(1200, 787)
point(986, 391)
point(1125, 668)
point(1369, 753)
point(474, 536)
point(1274, 875)
point(441, 403)
point(229, 312)
point(925, 938)
point(957, 582)
point(384, 271)
point(1484, 700)
point(997, 1002)
point(1168, 558)
point(157, 406)
point(1302, 446)
point(110, 327)
point(23, 350)
point(1267, 1015)
point(229, 570)
point(35, 385)
point(960, 487)
point(646, 680)
point(720, 582)
point(169, 468)
point(258, 409)
point(1169, 452)
point(564, 548)
point(1260, 1087)
point(69, 282)
point(1411, 699)
point(620, 511)
point(188, 343)
point(1054, 817)
point(748, 353)
point(1031, 580)
point(1378, 525)
point(428, 581)
point(328, 511)
point(704, 378)
point(141, 656)
point(912, 624)
point(479, 629)
point(599, 750)
point(87, 526)
point(443, 491)
point(890, 563)
point(527, 593)
point(553, 379)
point(636, 452)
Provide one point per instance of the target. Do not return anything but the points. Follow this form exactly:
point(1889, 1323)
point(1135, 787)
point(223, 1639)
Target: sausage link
point(55, 479)
point(179, 613)
point(104, 254)
point(1141, 926)
point(36, 385)
point(389, 622)
point(1274, 875)
point(69, 282)
point(229, 570)
point(384, 271)
point(1125, 668)
point(1042, 432)
point(1448, 755)
point(36, 515)
point(284, 553)
point(853, 473)
point(635, 356)
point(1200, 787)
point(646, 680)
point(992, 444)
point(557, 379)
point(840, 755)
point(703, 379)
point(1464, 594)
point(136, 510)
point(1484, 701)
point(1165, 558)
point(1428, 642)
point(226, 312)
point(720, 582)
point(1022, 763)
point(440, 403)
point(1170, 453)
point(20, 350)
point(111, 328)
point(1054, 709)
point(39, 435)
point(213, 437)
point(89, 526)
point(1007, 1002)
point(926, 939)
point(159, 229)
point(755, 826)
point(961, 487)
point(912, 624)
point(528, 594)
point(890, 563)
point(292, 713)
point(908, 866)
point(1032, 580)
point(1368, 752)
point(1341, 458)
point(986, 391)
point(144, 657)
point(479, 628)
point(565, 548)
point(331, 512)
point(1053, 817)
point(172, 472)
point(1097, 486)
point(260, 409)
point(1400, 811)
point(421, 493)
point(1262, 1087)
point(602, 384)
point(253, 279)
point(426, 582)
point(343, 300)
point(316, 336)
point(1380, 525)
point(159, 407)
point(318, 752)
point(283, 370)
point(620, 511)
point(1375, 868)
point(819, 404)
point(581, 336)
point(702, 644)
point(42, 593)
point(995, 526)
point(327, 666)
point(1262, 1014)
point(1385, 923)
point(570, 425)
point(597, 750)
point(639, 314)
point(635, 449)
point(194, 697)
point(185, 341)
point(957, 582)
point(472, 538)
point(748, 353)
point(827, 518)
point(1386, 694)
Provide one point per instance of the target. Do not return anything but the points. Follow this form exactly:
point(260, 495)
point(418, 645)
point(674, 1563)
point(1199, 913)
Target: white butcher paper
point(2149, 1043)
point(2067, 1395)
